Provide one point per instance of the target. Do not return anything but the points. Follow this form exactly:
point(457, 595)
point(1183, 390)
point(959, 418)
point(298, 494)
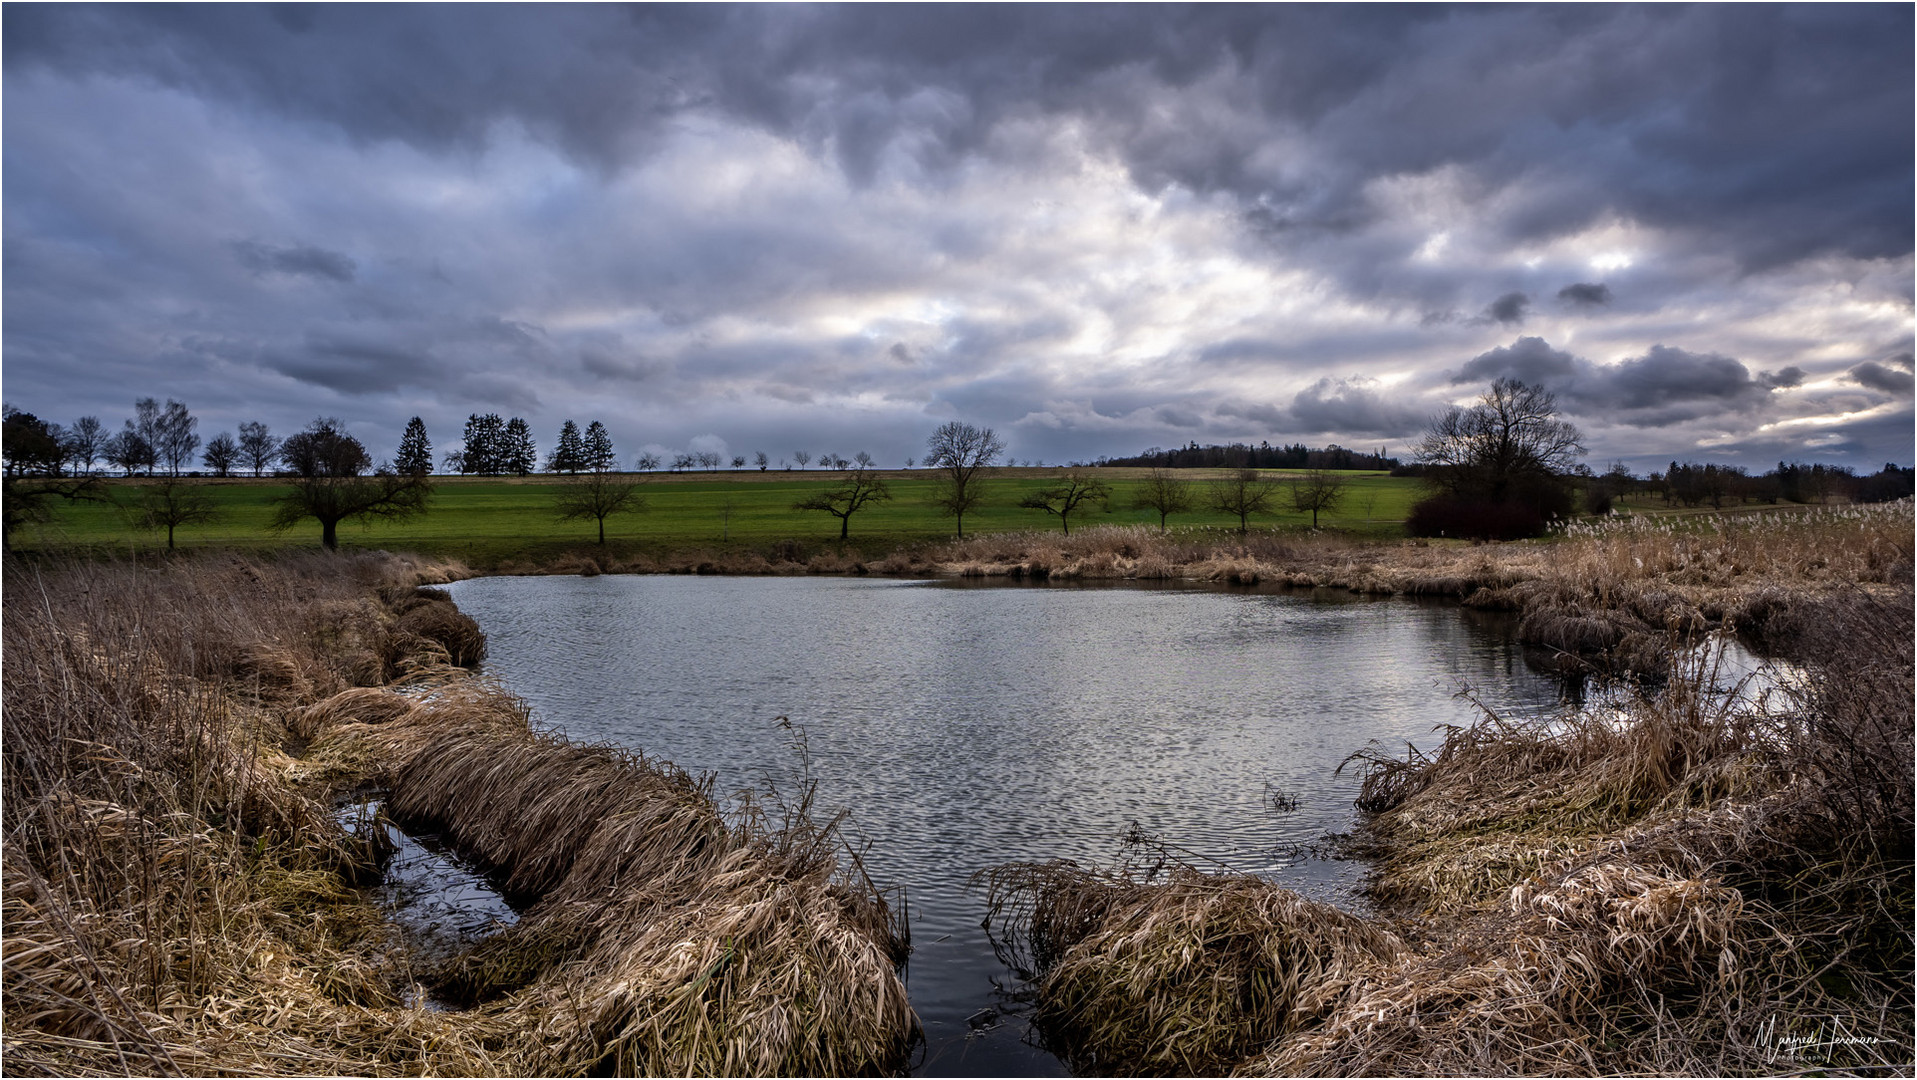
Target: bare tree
point(646, 462)
point(170, 503)
point(802, 457)
point(596, 496)
point(859, 489)
point(1242, 493)
point(1316, 490)
point(258, 446)
point(759, 459)
point(129, 450)
point(24, 500)
point(738, 461)
point(222, 453)
point(330, 484)
point(173, 439)
point(86, 440)
point(862, 459)
point(1511, 438)
point(959, 450)
point(1165, 494)
point(1071, 491)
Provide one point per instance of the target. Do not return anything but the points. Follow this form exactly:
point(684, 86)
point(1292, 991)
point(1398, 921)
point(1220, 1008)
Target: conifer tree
point(596, 453)
point(415, 456)
point(570, 455)
point(483, 453)
point(521, 455)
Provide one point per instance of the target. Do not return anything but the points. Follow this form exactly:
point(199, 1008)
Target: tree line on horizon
point(1506, 467)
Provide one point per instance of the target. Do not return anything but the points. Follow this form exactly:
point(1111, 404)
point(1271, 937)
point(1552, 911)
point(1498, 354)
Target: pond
point(966, 726)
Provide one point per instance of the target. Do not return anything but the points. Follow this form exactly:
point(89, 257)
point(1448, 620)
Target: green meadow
point(490, 521)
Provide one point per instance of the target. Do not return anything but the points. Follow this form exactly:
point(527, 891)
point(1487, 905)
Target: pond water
point(966, 726)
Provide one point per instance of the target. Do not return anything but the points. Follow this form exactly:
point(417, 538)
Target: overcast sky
point(1093, 229)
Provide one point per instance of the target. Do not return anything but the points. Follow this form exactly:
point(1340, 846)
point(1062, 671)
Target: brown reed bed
point(180, 898)
point(1694, 883)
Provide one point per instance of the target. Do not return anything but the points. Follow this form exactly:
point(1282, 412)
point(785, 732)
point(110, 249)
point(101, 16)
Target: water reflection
point(968, 726)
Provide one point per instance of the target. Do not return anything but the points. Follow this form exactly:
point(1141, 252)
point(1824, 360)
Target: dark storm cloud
point(1352, 407)
point(297, 261)
point(1585, 295)
point(1878, 377)
point(1780, 131)
point(1508, 308)
point(1664, 386)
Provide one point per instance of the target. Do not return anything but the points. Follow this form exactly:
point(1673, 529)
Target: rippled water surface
point(967, 726)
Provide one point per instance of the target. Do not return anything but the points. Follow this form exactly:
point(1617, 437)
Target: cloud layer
point(1093, 228)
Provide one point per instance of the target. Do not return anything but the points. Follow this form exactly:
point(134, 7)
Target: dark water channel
point(967, 726)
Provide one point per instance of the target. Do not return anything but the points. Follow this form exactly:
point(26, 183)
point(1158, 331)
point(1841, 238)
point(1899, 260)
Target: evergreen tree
point(415, 456)
point(521, 455)
point(484, 450)
point(570, 455)
point(596, 453)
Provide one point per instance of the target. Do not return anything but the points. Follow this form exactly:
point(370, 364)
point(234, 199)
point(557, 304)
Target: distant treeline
point(1247, 456)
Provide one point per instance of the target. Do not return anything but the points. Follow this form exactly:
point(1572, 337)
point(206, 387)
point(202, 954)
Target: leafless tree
point(859, 489)
point(1165, 494)
point(258, 446)
point(86, 440)
point(646, 462)
point(1065, 496)
point(1510, 439)
point(222, 453)
point(1316, 490)
point(1242, 493)
point(802, 457)
point(759, 459)
point(959, 450)
point(170, 503)
point(330, 483)
point(596, 496)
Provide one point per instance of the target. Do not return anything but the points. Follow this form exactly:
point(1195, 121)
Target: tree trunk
point(602, 532)
point(169, 536)
point(329, 534)
point(844, 524)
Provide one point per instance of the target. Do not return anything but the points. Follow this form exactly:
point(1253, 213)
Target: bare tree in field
point(596, 496)
point(859, 489)
point(959, 450)
point(258, 446)
point(1067, 495)
point(1165, 494)
point(1243, 493)
point(330, 484)
point(86, 441)
point(222, 453)
point(1317, 489)
point(171, 503)
point(801, 456)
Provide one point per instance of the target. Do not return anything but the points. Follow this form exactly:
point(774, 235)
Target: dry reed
point(179, 897)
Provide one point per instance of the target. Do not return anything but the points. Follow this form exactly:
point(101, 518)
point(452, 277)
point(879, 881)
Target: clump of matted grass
point(1176, 976)
point(1689, 881)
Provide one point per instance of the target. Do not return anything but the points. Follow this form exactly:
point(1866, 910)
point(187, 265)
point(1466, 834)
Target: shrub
point(1443, 516)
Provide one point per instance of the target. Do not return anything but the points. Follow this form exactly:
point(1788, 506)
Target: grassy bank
point(180, 897)
point(1693, 884)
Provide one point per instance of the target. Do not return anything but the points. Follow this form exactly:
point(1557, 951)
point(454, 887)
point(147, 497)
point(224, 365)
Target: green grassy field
point(487, 521)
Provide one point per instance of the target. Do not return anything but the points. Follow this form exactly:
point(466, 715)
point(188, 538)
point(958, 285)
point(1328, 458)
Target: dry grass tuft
point(1173, 978)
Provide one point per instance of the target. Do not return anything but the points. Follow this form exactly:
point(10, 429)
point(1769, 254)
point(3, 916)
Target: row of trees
point(1262, 456)
point(157, 437)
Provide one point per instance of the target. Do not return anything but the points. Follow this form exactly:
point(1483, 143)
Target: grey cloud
point(296, 261)
point(1509, 308)
point(1664, 386)
point(1352, 407)
point(358, 368)
point(1878, 377)
point(1271, 416)
point(1531, 359)
point(1178, 417)
point(1585, 295)
point(1780, 132)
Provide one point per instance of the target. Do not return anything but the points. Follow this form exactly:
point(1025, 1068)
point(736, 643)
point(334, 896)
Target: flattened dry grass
point(180, 899)
point(1695, 883)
